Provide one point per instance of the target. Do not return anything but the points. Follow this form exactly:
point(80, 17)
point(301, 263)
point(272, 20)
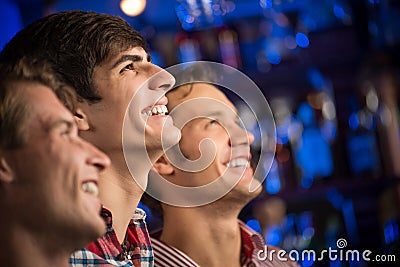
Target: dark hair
point(14, 108)
point(74, 43)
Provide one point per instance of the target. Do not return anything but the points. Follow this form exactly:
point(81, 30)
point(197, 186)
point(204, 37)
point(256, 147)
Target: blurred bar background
point(330, 70)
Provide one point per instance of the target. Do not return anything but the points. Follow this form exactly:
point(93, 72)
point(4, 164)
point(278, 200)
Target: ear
point(163, 167)
point(81, 120)
point(6, 174)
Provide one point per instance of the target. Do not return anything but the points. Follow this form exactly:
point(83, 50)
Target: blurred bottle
point(379, 111)
point(312, 149)
point(362, 143)
point(282, 174)
point(229, 48)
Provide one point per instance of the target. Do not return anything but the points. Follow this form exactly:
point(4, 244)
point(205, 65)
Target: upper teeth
point(91, 188)
point(157, 110)
point(239, 162)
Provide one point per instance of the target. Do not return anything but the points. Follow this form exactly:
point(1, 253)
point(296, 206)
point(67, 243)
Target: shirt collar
point(138, 215)
point(251, 240)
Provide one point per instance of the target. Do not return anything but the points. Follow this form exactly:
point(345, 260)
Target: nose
point(97, 158)
point(241, 136)
point(250, 137)
point(161, 79)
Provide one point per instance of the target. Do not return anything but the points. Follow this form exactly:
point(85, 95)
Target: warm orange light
point(132, 7)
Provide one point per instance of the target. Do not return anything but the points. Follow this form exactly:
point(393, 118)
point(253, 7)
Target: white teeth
point(157, 110)
point(90, 188)
point(239, 162)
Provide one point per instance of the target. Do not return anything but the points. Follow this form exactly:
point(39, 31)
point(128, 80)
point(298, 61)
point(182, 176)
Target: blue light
point(335, 198)
point(10, 21)
point(328, 130)
point(273, 236)
point(302, 40)
point(338, 11)
point(313, 155)
point(273, 183)
point(306, 182)
point(369, 121)
point(266, 3)
point(350, 220)
point(316, 78)
point(254, 224)
point(306, 114)
point(353, 121)
point(156, 58)
point(391, 231)
point(273, 57)
point(308, 261)
point(363, 153)
point(310, 23)
point(146, 209)
point(308, 233)
point(282, 133)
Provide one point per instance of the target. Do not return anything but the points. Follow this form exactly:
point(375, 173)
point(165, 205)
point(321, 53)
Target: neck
point(20, 247)
point(209, 235)
point(120, 194)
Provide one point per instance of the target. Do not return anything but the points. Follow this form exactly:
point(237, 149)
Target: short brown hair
point(13, 109)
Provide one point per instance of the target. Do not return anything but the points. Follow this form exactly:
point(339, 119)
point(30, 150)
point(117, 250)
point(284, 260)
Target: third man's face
point(211, 117)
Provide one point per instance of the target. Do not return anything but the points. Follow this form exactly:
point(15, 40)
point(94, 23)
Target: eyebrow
point(133, 58)
point(220, 114)
point(214, 114)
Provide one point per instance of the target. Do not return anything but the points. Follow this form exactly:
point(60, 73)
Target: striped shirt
point(108, 251)
point(252, 242)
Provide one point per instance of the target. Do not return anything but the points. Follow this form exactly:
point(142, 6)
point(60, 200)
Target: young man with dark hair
point(48, 174)
point(105, 60)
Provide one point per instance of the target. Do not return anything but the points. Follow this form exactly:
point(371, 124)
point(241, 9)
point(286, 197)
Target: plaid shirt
point(107, 251)
point(252, 242)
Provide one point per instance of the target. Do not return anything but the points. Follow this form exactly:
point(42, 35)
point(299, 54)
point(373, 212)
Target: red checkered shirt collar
point(136, 246)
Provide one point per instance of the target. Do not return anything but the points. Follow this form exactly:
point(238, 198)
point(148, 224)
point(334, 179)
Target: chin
point(170, 137)
point(95, 230)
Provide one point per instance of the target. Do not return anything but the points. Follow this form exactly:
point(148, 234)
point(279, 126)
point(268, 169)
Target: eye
point(69, 132)
point(127, 68)
point(213, 122)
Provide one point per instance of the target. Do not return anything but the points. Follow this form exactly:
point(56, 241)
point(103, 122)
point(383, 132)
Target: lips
point(158, 108)
point(90, 187)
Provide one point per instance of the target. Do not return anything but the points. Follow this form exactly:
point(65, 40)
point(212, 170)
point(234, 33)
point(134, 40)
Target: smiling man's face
point(130, 83)
point(211, 132)
point(55, 173)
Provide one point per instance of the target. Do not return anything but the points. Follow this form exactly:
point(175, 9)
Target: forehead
point(204, 100)
point(113, 59)
point(206, 94)
point(43, 104)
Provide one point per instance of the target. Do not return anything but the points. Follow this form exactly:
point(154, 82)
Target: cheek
point(67, 163)
point(190, 146)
